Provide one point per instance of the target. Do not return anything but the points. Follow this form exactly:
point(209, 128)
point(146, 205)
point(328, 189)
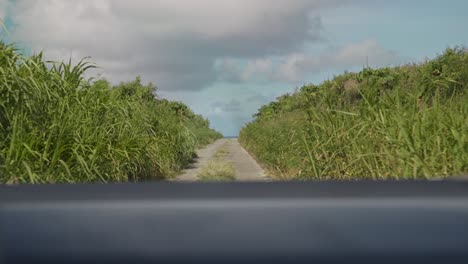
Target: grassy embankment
point(58, 127)
point(407, 122)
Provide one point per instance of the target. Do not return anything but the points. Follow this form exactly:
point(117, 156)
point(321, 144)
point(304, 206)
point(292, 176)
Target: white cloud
point(232, 70)
point(295, 66)
point(173, 43)
point(366, 51)
point(257, 67)
point(232, 106)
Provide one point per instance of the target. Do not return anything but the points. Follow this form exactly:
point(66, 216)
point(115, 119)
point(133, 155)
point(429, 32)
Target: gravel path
point(246, 167)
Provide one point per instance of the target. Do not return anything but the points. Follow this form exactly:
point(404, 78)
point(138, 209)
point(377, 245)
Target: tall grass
point(56, 126)
point(408, 122)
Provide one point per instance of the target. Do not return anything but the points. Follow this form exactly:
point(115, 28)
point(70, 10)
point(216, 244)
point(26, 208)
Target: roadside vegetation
point(406, 122)
point(56, 126)
point(218, 169)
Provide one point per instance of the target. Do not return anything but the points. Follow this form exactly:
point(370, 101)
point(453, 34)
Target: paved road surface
point(246, 167)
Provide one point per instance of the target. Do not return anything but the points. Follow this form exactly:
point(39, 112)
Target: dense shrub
point(390, 123)
point(56, 126)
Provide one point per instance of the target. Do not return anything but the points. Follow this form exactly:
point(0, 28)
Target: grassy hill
point(407, 122)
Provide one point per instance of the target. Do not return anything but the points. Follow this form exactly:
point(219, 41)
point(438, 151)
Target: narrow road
point(245, 166)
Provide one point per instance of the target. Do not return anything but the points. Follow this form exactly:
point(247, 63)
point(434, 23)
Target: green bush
point(406, 122)
point(56, 126)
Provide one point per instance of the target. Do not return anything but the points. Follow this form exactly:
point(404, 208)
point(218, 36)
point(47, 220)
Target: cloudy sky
point(225, 58)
